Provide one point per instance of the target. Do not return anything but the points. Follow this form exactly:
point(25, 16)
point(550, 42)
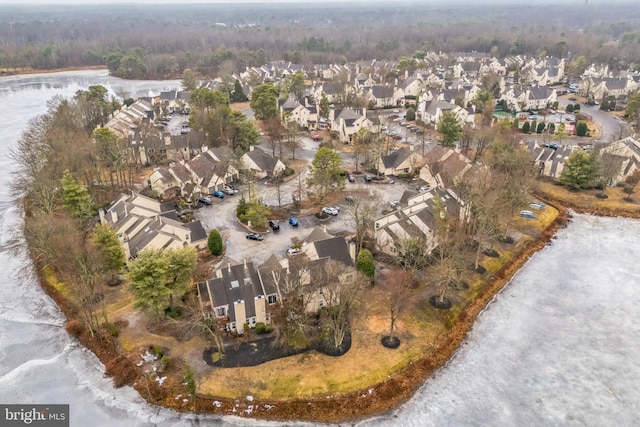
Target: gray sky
point(183, 2)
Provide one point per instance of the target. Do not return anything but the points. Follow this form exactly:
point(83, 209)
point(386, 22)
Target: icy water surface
point(558, 347)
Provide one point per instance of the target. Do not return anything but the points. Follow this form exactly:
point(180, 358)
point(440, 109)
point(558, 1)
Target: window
point(272, 299)
point(221, 311)
point(233, 325)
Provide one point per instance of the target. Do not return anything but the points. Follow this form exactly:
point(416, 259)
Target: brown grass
point(585, 201)
point(368, 380)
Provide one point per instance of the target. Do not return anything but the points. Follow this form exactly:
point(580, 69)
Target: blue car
point(293, 222)
point(218, 194)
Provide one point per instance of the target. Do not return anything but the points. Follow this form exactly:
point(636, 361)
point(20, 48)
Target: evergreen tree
point(264, 101)
point(107, 241)
point(411, 114)
point(365, 263)
point(526, 127)
point(580, 170)
point(214, 243)
point(156, 276)
point(76, 198)
point(238, 93)
point(581, 128)
point(449, 128)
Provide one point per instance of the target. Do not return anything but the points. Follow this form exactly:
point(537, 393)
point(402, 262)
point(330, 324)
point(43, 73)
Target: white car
point(330, 211)
point(396, 111)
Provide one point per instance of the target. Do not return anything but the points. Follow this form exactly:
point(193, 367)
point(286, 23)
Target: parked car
point(219, 194)
point(293, 222)
point(423, 189)
point(255, 236)
point(274, 224)
point(349, 200)
point(537, 205)
point(330, 210)
point(396, 111)
point(205, 200)
point(230, 189)
point(527, 214)
point(351, 178)
point(367, 178)
point(316, 137)
point(394, 204)
point(293, 251)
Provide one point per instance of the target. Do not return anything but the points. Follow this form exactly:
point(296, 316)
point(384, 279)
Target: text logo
point(34, 415)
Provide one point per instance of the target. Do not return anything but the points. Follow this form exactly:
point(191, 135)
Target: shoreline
point(376, 400)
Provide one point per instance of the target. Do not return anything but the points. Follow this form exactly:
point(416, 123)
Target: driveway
point(221, 215)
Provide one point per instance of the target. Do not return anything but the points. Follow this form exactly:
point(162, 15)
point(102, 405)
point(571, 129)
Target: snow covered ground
point(559, 346)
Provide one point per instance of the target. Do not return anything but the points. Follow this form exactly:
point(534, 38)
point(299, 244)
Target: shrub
point(214, 243)
point(173, 312)
point(75, 328)
point(576, 107)
point(158, 351)
point(288, 171)
point(516, 124)
point(242, 207)
point(122, 370)
point(540, 127)
point(581, 129)
point(111, 328)
point(526, 127)
point(411, 114)
point(261, 328)
point(570, 108)
point(365, 263)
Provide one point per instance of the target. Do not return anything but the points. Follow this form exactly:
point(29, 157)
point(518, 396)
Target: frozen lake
point(559, 346)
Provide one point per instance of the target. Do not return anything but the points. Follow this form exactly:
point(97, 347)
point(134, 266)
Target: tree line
point(161, 41)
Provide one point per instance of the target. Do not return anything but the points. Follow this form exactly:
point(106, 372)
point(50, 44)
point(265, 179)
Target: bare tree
point(396, 301)
point(363, 208)
point(342, 289)
point(292, 138)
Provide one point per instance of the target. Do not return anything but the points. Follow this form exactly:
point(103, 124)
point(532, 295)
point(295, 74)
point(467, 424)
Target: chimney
point(114, 216)
point(352, 251)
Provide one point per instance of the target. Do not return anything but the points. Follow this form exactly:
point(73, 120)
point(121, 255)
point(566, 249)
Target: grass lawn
point(586, 199)
point(313, 374)
point(368, 363)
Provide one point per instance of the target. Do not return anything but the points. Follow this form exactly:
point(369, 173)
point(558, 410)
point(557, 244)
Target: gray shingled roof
point(264, 161)
point(396, 158)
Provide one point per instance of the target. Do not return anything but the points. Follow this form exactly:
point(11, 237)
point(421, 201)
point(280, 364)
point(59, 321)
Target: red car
point(316, 137)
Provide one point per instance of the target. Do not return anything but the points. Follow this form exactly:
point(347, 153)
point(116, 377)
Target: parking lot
point(221, 215)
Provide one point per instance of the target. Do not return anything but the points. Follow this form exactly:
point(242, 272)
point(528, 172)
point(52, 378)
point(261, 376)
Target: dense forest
point(160, 41)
